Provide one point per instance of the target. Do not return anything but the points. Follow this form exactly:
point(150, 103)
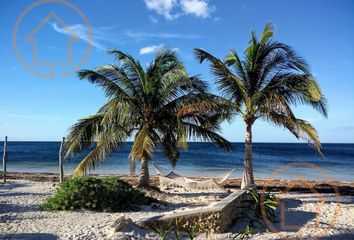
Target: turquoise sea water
point(203, 159)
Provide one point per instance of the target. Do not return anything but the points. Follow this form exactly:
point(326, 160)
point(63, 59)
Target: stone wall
point(213, 219)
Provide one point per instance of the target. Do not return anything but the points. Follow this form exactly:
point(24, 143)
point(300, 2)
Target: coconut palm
point(265, 84)
point(157, 106)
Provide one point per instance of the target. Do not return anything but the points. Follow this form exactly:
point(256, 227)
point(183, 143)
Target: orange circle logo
point(310, 186)
point(32, 38)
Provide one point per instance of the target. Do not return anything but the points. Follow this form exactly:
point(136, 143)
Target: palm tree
point(269, 79)
point(159, 106)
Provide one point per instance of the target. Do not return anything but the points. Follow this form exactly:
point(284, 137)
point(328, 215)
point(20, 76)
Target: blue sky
point(35, 108)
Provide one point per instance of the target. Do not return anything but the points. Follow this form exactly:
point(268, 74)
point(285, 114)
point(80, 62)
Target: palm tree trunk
point(144, 174)
point(248, 178)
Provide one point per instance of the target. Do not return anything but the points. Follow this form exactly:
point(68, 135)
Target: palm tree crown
point(269, 79)
point(159, 106)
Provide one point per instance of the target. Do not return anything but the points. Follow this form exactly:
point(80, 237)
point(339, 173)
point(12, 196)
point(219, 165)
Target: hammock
point(173, 179)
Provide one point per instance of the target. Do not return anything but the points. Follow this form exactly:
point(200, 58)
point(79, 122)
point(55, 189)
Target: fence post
point(4, 160)
point(61, 160)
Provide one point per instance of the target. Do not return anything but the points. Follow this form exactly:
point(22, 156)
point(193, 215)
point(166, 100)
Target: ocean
point(271, 160)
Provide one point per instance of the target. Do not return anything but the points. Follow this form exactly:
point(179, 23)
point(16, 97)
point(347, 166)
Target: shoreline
point(343, 187)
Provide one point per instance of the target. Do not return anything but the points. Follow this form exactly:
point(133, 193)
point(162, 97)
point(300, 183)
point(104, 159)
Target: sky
point(41, 97)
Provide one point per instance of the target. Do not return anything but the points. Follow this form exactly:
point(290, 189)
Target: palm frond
point(267, 34)
point(145, 143)
point(83, 134)
point(309, 133)
point(228, 83)
point(232, 58)
point(171, 151)
point(163, 59)
point(123, 113)
point(101, 78)
point(133, 69)
point(109, 140)
point(199, 132)
point(199, 107)
point(120, 76)
point(296, 89)
point(298, 127)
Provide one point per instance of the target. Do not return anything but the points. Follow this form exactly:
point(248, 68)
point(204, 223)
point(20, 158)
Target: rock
point(118, 224)
point(157, 206)
point(122, 225)
point(151, 236)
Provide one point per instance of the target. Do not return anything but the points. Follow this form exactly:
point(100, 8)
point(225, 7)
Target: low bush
point(107, 194)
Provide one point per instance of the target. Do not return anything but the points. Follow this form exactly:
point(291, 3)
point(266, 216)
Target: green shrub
point(106, 194)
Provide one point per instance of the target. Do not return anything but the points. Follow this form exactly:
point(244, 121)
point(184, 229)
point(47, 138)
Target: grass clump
point(108, 194)
point(178, 232)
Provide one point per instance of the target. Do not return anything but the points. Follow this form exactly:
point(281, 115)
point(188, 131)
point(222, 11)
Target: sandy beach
point(177, 120)
point(21, 217)
point(20, 214)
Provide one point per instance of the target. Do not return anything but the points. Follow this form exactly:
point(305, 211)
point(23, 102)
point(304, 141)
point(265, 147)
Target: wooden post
point(4, 160)
point(61, 160)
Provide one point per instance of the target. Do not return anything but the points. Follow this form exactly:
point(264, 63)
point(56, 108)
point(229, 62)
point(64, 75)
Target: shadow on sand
point(30, 236)
point(12, 185)
point(18, 194)
point(341, 236)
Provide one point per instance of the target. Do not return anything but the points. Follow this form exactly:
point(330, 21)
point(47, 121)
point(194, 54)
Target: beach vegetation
point(265, 84)
point(106, 194)
point(160, 106)
point(246, 234)
point(177, 231)
point(263, 207)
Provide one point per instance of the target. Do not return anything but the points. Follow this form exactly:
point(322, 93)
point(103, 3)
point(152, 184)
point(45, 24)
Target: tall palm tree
point(269, 79)
point(159, 106)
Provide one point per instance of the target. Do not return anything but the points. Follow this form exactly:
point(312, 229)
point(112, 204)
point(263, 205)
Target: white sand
point(21, 218)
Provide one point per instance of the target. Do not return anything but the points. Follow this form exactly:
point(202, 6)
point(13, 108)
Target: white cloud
point(198, 8)
point(172, 9)
point(149, 49)
point(147, 35)
point(176, 50)
point(98, 35)
point(153, 48)
point(162, 7)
